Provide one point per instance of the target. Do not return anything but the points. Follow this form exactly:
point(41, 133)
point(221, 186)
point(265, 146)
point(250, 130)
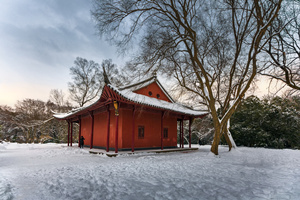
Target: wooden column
point(117, 134)
point(179, 133)
point(108, 129)
point(79, 131)
point(162, 130)
point(190, 124)
point(182, 134)
point(68, 132)
point(133, 128)
point(71, 133)
point(116, 106)
point(92, 128)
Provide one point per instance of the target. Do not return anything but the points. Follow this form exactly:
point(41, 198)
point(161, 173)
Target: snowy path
point(39, 171)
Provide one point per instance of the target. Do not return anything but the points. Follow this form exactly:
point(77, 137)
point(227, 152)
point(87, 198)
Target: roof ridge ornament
point(154, 74)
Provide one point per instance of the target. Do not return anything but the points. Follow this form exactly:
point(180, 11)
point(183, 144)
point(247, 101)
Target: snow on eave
point(70, 113)
point(156, 103)
point(74, 111)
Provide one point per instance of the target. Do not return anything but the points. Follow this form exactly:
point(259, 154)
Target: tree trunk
point(215, 144)
point(229, 135)
point(217, 137)
point(227, 139)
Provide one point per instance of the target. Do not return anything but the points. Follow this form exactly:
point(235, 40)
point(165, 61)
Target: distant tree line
point(270, 122)
point(273, 122)
point(32, 121)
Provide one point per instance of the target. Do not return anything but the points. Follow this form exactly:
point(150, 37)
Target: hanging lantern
point(116, 106)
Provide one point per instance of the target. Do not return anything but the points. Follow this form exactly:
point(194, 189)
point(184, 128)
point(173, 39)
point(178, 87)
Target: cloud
point(41, 39)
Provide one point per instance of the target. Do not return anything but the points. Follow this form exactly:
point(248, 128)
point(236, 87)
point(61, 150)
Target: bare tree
point(210, 47)
point(284, 47)
point(113, 73)
point(61, 104)
point(203, 129)
point(87, 81)
point(33, 109)
point(57, 97)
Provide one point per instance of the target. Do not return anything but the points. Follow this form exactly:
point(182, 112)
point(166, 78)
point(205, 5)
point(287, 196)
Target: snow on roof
point(129, 94)
point(144, 83)
point(157, 103)
point(139, 85)
point(71, 112)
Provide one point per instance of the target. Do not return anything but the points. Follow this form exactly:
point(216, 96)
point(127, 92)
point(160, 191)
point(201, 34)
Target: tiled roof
point(144, 83)
point(156, 103)
point(128, 94)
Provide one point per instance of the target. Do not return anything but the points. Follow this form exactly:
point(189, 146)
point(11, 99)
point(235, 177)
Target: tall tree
point(284, 47)
point(210, 47)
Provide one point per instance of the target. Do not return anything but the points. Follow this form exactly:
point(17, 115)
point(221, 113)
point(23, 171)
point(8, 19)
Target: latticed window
point(141, 130)
point(165, 132)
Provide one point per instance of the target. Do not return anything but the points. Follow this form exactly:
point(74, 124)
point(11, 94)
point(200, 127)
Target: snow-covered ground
point(54, 171)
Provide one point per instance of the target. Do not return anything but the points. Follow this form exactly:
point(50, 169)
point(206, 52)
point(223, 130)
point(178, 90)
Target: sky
point(39, 41)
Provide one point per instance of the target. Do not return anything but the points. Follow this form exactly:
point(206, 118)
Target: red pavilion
point(135, 117)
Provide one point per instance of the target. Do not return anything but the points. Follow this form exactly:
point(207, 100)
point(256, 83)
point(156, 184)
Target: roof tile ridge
point(138, 83)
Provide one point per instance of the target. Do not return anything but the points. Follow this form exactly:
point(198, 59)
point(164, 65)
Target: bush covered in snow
point(273, 122)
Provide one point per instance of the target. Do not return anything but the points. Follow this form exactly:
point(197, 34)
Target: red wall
point(155, 89)
point(152, 125)
point(171, 124)
point(100, 129)
point(150, 120)
point(126, 118)
point(112, 134)
point(86, 129)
